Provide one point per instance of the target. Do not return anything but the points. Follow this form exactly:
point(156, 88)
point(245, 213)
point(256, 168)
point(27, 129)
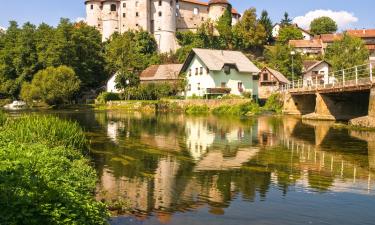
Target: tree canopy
point(266, 21)
point(323, 25)
point(52, 85)
point(288, 33)
point(286, 21)
point(347, 52)
point(26, 50)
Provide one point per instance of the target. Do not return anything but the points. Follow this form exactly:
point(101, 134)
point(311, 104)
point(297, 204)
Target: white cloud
point(2, 28)
point(80, 19)
point(343, 18)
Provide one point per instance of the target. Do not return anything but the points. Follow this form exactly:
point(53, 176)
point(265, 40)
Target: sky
point(356, 14)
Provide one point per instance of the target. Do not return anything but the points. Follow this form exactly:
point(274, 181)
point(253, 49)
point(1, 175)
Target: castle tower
point(110, 18)
point(94, 13)
point(163, 24)
point(216, 8)
point(134, 15)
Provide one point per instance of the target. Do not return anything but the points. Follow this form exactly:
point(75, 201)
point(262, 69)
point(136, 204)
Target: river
point(268, 170)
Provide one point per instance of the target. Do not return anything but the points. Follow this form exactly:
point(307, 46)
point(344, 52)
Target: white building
point(163, 18)
point(217, 72)
point(315, 72)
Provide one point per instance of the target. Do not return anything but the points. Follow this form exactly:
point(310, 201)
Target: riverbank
point(239, 107)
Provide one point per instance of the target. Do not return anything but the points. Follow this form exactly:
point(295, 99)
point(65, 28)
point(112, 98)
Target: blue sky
point(49, 11)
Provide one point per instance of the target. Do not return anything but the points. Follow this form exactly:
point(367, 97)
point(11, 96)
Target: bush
point(105, 97)
point(197, 109)
point(274, 103)
point(54, 86)
point(150, 91)
point(237, 110)
point(44, 179)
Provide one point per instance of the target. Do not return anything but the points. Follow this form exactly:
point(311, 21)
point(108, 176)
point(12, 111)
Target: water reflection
point(166, 164)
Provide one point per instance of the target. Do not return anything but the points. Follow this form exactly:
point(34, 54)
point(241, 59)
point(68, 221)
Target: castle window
point(199, 86)
point(201, 71)
point(124, 5)
point(196, 11)
point(171, 2)
point(196, 71)
point(124, 15)
point(189, 73)
point(189, 87)
point(136, 4)
point(160, 3)
point(113, 8)
point(160, 14)
point(92, 7)
point(137, 14)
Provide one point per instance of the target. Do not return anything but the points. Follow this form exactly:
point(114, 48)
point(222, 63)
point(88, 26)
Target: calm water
point(175, 169)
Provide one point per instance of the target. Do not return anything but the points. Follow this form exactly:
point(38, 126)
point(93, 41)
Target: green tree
point(266, 21)
point(279, 57)
point(288, 33)
point(347, 52)
point(224, 27)
point(249, 32)
point(323, 25)
point(53, 86)
point(286, 21)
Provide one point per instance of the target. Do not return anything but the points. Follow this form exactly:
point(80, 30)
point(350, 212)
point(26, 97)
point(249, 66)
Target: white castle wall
point(144, 14)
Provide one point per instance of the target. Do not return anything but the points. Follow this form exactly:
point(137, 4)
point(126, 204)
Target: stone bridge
point(347, 95)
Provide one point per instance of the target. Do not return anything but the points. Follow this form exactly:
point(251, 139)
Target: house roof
point(309, 65)
point(161, 72)
point(218, 2)
point(277, 74)
point(369, 33)
point(216, 59)
point(306, 43)
point(328, 38)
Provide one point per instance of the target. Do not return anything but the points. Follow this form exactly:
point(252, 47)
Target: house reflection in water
point(169, 164)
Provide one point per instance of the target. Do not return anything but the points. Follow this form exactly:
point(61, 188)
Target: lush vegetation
point(288, 33)
point(28, 49)
point(105, 97)
point(274, 103)
point(347, 52)
point(237, 110)
point(45, 178)
point(323, 25)
point(151, 91)
point(54, 86)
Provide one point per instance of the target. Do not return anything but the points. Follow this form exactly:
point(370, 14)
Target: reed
point(47, 130)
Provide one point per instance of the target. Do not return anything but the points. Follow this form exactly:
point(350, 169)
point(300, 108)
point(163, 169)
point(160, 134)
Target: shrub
point(150, 91)
point(274, 103)
point(197, 109)
point(44, 179)
point(237, 110)
point(105, 97)
point(53, 86)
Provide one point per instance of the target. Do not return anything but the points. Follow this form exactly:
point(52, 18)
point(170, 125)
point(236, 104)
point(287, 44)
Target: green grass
point(237, 110)
point(3, 118)
point(45, 178)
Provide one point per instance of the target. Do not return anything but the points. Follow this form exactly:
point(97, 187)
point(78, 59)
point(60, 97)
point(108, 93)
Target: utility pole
point(292, 53)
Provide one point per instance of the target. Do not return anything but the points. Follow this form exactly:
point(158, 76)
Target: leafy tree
point(286, 21)
point(279, 57)
point(323, 25)
point(224, 27)
point(266, 21)
point(249, 32)
point(53, 86)
point(288, 33)
point(347, 52)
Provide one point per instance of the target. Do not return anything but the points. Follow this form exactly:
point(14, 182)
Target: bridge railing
point(350, 77)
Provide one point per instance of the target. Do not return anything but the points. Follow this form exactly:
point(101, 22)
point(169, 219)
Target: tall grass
point(197, 109)
point(237, 110)
point(47, 130)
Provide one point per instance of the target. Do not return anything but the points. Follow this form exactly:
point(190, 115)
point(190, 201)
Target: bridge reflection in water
point(166, 164)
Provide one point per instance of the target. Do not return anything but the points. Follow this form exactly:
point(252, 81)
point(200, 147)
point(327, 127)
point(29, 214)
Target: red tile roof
point(369, 33)
point(306, 43)
point(328, 38)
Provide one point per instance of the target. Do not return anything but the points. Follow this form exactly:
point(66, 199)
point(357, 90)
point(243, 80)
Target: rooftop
point(216, 59)
point(161, 72)
point(278, 75)
point(369, 33)
point(315, 43)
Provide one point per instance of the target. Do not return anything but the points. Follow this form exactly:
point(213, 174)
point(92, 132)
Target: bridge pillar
point(298, 104)
point(369, 120)
point(322, 109)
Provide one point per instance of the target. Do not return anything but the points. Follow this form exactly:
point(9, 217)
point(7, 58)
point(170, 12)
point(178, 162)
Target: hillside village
point(147, 50)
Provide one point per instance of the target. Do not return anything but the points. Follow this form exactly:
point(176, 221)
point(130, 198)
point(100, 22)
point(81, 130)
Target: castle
point(163, 18)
